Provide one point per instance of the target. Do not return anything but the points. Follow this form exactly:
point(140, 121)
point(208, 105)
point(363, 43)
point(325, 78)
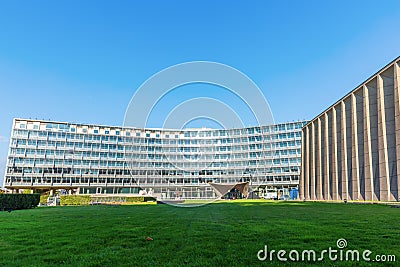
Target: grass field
point(219, 234)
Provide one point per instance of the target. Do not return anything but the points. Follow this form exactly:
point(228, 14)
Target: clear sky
point(82, 61)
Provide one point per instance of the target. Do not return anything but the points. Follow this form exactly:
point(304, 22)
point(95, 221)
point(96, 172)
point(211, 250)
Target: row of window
point(30, 153)
point(152, 180)
point(138, 164)
point(81, 145)
point(168, 174)
point(113, 138)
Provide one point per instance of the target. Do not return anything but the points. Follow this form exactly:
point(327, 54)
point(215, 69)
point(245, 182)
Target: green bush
point(74, 200)
point(43, 199)
point(139, 199)
point(18, 201)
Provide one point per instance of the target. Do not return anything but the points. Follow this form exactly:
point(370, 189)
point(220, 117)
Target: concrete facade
point(352, 149)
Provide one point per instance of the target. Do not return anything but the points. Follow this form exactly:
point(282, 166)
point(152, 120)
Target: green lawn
point(218, 234)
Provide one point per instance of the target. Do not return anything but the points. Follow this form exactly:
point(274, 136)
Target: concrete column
point(368, 171)
point(335, 195)
point(307, 165)
point(355, 160)
point(312, 181)
point(384, 180)
point(397, 121)
point(320, 166)
point(303, 165)
point(344, 189)
point(327, 195)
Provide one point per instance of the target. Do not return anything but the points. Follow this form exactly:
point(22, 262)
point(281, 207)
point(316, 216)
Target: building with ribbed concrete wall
point(352, 149)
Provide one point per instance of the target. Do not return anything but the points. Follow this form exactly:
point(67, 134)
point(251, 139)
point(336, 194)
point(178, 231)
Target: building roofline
point(150, 129)
point(353, 90)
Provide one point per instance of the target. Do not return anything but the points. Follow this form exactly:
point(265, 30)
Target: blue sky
point(82, 61)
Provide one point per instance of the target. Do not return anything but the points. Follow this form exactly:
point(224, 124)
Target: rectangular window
point(113, 147)
point(52, 135)
point(31, 142)
point(21, 142)
point(33, 134)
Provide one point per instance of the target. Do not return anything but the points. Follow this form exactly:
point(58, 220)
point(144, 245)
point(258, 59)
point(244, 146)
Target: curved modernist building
point(352, 150)
point(94, 159)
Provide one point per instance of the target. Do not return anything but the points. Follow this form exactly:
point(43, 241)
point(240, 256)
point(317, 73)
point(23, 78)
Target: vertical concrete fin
point(355, 160)
point(335, 194)
point(303, 167)
point(307, 167)
point(384, 181)
point(312, 181)
point(327, 195)
point(369, 179)
point(344, 189)
point(397, 121)
point(320, 165)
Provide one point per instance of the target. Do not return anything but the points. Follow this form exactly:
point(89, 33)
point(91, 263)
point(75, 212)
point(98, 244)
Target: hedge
point(86, 199)
point(18, 201)
point(79, 200)
point(27, 201)
point(74, 200)
point(139, 199)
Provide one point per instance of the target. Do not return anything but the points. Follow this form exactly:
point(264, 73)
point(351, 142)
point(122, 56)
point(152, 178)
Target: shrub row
point(27, 201)
point(74, 200)
point(18, 201)
point(86, 200)
point(139, 199)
